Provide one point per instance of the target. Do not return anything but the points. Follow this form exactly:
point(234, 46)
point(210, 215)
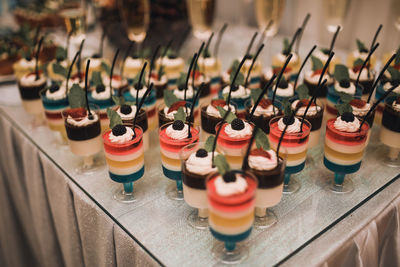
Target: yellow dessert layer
point(170, 162)
point(343, 156)
point(125, 164)
point(230, 222)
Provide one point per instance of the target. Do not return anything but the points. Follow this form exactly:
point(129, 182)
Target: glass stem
point(287, 178)
point(203, 213)
point(393, 153)
point(179, 185)
point(88, 161)
point(230, 246)
point(128, 187)
point(261, 212)
point(339, 179)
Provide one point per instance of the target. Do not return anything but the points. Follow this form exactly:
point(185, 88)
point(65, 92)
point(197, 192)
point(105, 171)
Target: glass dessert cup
point(171, 164)
point(232, 148)
point(322, 92)
point(53, 112)
point(239, 103)
point(84, 137)
point(316, 123)
point(381, 106)
point(160, 85)
point(209, 122)
point(103, 105)
point(231, 219)
point(269, 192)
point(194, 189)
point(262, 121)
point(333, 98)
point(167, 118)
point(390, 132)
point(343, 153)
point(296, 145)
point(125, 163)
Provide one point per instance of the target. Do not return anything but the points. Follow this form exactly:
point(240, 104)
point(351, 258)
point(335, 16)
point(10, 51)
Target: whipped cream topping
point(314, 79)
point(177, 134)
point(71, 82)
point(357, 54)
point(241, 92)
point(115, 83)
point(229, 189)
point(171, 62)
point(102, 95)
point(312, 110)
point(247, 63)
point(388, 85)
point(213, 111)
point(30, 80)
point(363, 77)
point(129, 116)
point(94, 62)
point(201, 166)
point(351, 90)
point(345, 126)
point(121, 139)
point(27, 64)
point(170, 115)
point(180, 94)
point(207, 62)
point(361, 111)
point(142, 91)
point(260, 111)
point(285, 92)
point(263, 163)
point(321, 56)
point(131, 62)
point(82, 122)
point(293, 128)
point(282, 58)
point(268, 73)
point(57, 95)
point(246, 131)
point(396, 106)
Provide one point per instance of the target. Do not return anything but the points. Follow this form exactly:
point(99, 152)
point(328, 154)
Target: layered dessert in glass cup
point(127, 114)
point(173, 137)
point(284, 91)
point(233, 140)
point(166, 114)
point(29, 89)
point(132, 67)
point(196, 166)
point(239, 96)
point(211, 67)
point(390, 130)
point(295, 141)
point(294, 64)
point(173, 66)
point(55, 101)
point(118, 83)
point(124, 153)
point(366, 80)
point(24, 66)
point(323, 55)
point(101, 96)
point(255, 75)
point(360, 53)
point(231, 201)
point(311, 79)
point(160, 84)
point(270, 172)
point(210, 116)
point(190, 93)
point(344, 149)
point(269, 72)
point(263, 113)
point(205, 96)
point(84, 134)
point(380, 91)
point(333, 98)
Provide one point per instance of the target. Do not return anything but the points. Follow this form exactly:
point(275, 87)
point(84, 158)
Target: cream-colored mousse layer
point(34, 107)
point(196, 198)
point(390, 138)
point(268, 197)
point(313, 140)
point(86, 148)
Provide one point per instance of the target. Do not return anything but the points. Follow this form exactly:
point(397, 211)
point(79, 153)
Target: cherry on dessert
point(265, 103)
point(119, 130)
point(201, 153)
point(261, 153)
point(237, 124)
point(178, 125)
point(100, 88)
point(288, 120)
point(358, 103)
point(347, 117)
point(344, 83)
point(218, 103)
point(54, 88)
point(177, 105)
point(283, 84)
point(229, 177)
point(125, 109)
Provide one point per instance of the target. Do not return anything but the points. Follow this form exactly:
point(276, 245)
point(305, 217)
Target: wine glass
point(135, 16)
point(335, 13)
point(74, 15)
point(201, 15)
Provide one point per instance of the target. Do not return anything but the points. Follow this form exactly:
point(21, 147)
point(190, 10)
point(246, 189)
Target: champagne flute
point(268, 15)
point(201, 14)
point(135, 16)
point(74, 15)
point(335, 13)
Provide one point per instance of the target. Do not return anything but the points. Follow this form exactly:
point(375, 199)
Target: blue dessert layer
point(216, 79)
point(379, 91)
point(231, 238)
point(239, 102)
point(172, 81)
point(334, 97)
point(127, 178)
point(337, 168)
point(295, 169)
point(150, 99)
point(281, 99)
point(102, 103)
point(51, 104)
point(173, 175)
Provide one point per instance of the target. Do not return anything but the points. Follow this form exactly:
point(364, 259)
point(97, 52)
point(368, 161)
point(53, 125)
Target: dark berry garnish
point(28, 58)
point(176, 106)
point(100, 88)
point(201, 153)
point(135, 56)
point(237, 124)
point(358, 103)
point(178, 125)
point(229, 177)
point(139, 86)
point(172, 56)
point(288, 120)
point(235, 88)
point(325, 51)
point(125, 109)
point(260, 152)
point(395, 82)
point(119, 130)
point(54, 88)
point(347, 117)
point(59, 59)
point(218, 103)
point(96, 56)
point(344, 83)
point(283, 84)
point(181, 87)
point(249, 56)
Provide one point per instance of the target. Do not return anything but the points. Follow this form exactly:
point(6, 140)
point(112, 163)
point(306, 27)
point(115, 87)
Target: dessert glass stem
point(261, 212)
point(87, 161)
point(286, 179)
point(203, 213)
point(179, 186)
point(393, 153)
point(128, 187)
point(230, 246)
point(339, 179)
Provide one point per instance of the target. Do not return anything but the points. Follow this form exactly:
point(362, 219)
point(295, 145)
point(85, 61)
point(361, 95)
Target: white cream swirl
point(142, 91)
point(396, 106)
point(84, 121)
point(357, 54)
point(95, 63)
point(360, 111)
point(29, 80)
point(121, 139)
point(314, 79)
point(246, 131)
point(102, 95)
point(171, 62)
point(201, 166)
point(285, 92)
point(177, 134)
point(180, 94)
point(388, 85)
point(282, 58)
point(363, 76)
point(170, 115)
point(57, 95)
point(207, 62)
point(241, 92)
point(292, 128)
point(128, 116)
point(260, 111)
point(214, 112)
point(321, 56)
point(313, 109)
point(134, 63)
point(351, 90)
point(115, 83)
point(345, 126)
point(263, 163)
point(27, 64)
point(232, 188)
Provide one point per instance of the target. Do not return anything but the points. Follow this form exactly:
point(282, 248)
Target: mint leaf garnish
point(316, 63)
point(358, 62)
point(394, 74)
point(182, 79)
point(361, 46)
point(106, 68)
point(286, 47)
point(180, 115)
point(230, 116)
point(344, 107)
point(255, 93)
point(169, 97)
point(222, 164)
point(261, 140)
point(61, 53)
point(59, 69)
point(208, 146)
point(137, 77)
point(76, 97)
point(302, 91)
point(287, 107)
point(114, 117)
point(96, 78)
point(341, 73)
point(345, 98)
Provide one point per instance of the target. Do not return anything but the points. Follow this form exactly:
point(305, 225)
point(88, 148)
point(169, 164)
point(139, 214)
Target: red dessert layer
point(345, 138)
point(231, 142)
point(289, 139)
point(174, 145)
point(123, 149)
